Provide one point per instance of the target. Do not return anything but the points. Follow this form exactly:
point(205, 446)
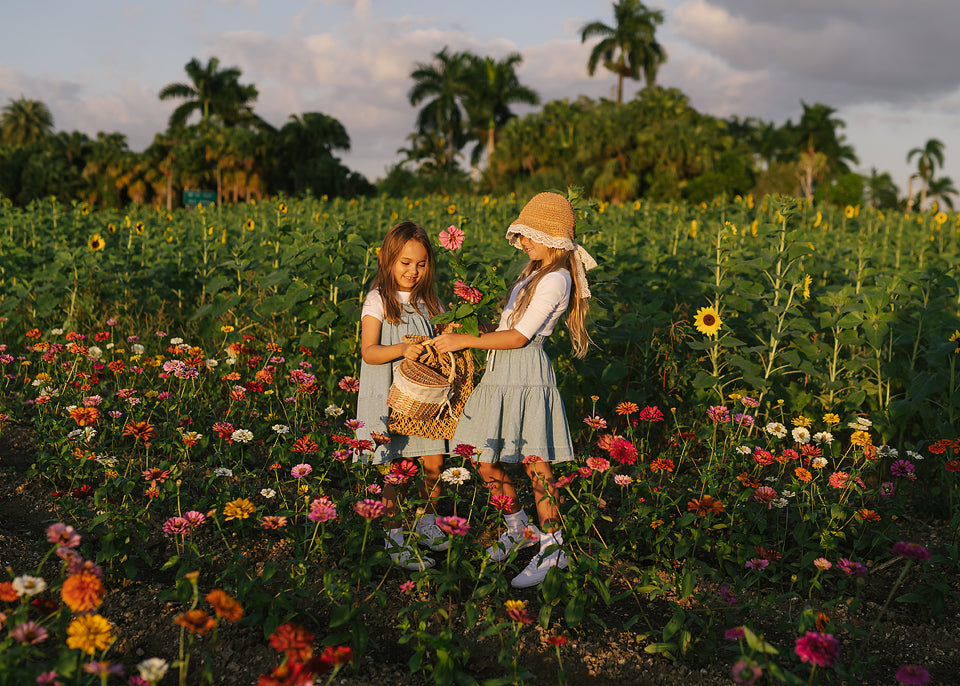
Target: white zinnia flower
point(333, 411)
point(801, 435)
point(744, 449)
point(222, 471)
point(914, 456)
point(94, 353)
point(861, 424)
point(242, 436)
point(780, 503)
point(153, 669)
point(819, 462)
point(27, 585)
point(776, 429)
point(455, 476)
point(107, 460)
point(281, 428)
point(176, 341)
point(56, 332)
point(822, 437)
point(137, 349)
point(268, 493)
point(887, 451)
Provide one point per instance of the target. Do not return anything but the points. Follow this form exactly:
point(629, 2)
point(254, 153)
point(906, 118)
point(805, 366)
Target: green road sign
point(194, 198)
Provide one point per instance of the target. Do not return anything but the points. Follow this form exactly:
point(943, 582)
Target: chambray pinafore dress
point(375, 381)
point(516, 409)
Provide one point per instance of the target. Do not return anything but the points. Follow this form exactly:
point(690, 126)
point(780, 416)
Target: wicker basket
point(420, 392)
point(453, 371)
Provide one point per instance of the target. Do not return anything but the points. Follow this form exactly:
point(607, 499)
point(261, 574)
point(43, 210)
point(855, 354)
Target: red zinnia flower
point(305, 446)
point(293, 641)
point(624, 452)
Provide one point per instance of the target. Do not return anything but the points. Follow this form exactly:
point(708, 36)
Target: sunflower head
point(707, 321)
point(96, 242)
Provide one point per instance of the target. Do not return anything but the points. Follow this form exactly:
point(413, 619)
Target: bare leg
point(544, 493)
point(430, 486)
point(498, 481)
point(391, 518)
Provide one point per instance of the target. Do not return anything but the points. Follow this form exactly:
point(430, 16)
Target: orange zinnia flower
point(705, 505)
point(803, 474)
point(869, 515)
point(748, 480)
point(197, 621)
point(224, 605)
point(85, 415)
point(142, 430)
point(82, 591)
point(117, 367)
point(627, 408)
point(7, 593)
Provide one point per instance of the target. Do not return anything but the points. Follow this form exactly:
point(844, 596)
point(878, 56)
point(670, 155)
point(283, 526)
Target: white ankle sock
point(516, 521)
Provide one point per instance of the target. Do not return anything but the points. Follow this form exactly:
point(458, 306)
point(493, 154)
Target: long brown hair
point(424, 291)
point(576, 307)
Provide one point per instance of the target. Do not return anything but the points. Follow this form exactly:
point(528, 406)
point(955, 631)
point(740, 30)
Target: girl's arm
point(495, 340)
point(373, 353)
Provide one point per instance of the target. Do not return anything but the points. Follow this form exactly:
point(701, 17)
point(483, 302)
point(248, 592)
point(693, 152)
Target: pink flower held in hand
point(451, 238)
point(467, 293)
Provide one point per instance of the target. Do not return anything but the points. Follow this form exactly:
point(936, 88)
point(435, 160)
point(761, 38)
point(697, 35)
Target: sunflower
point(250, 225)
point(849, 212)
point(282, 208)
point(707, 321)
point(452, 209)
point(138, 227)
point(96, 242)
point(940, 218)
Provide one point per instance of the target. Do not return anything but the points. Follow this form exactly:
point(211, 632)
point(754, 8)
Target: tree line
point(467, 138)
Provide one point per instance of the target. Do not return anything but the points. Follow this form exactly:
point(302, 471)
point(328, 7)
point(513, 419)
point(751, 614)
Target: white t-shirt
point(373, 304)
point(547, 305)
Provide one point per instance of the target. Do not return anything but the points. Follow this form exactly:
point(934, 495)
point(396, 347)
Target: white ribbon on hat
point(584, 261)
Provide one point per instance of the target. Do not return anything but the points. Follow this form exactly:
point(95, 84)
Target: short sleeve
point(547, 305)
point(372, 305)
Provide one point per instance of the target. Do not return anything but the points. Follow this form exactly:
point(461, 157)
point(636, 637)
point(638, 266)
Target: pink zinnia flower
point(762, 457)
point(822, 563)
point(532, 459)
point(850, 567)
point(322, 510)
point(455, 526)
point(623, 451)
point(595, 422)
point(452, 238)
point(734, 633)
point(467, 293)
point(176, 526)
point(194, 518)
point(348, 383)
point(406, 468)
point(912, 675)
point(29, 633)
point(63, 535)
point(839, 480)
point(745, 672)
point(598, 463)
point(817, 649)
point(622, 480)
point(501, 502)
point(407, 587)
point(718, 413)
point(764, 494)
point(757, 563)
point(273, 522)
point(370, 509)
point(749, 402)
point(300, 470)
point(353, 424)
point(585, 472)
point(374, 489)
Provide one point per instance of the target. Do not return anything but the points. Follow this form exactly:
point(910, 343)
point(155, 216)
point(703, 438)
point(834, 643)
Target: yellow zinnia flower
point(707, 321)
point(89, 633)
point(96, 242)
point(831, 418)
point(241, 508)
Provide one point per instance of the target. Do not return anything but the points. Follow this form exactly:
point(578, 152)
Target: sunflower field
point(771, 396)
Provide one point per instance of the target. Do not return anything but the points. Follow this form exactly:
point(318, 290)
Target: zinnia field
point(767, 428)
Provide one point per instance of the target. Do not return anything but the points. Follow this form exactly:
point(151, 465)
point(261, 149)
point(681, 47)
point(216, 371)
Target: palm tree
point(25, 121)
point(493, 87)
point(628, 47)
point(443, 82)
point(929, 157)
point(941, 189)
point(881, 191)
point(213, 92)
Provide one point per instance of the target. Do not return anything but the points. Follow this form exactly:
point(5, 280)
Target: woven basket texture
point(411, 418)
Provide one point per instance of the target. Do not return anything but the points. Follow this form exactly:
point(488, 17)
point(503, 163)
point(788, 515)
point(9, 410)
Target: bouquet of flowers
point(474, 297)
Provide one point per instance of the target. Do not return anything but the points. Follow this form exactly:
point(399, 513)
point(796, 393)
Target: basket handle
point(453, 362)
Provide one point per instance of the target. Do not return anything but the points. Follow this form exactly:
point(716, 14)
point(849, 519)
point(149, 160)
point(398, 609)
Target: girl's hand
point(412, 351)
point(451, 342)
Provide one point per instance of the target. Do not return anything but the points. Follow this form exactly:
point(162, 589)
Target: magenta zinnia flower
point(464, 450)
point(452, 238)
point(650, 414)
point(322, 510)
point(348, 383)
point(623, 451)
point(63, 535)
point(912, 675)
point(598, 463)
point(176, 526)
point(914, 551)
point(718, 413)
point(850, 567)
point(501, 502)
point(194, 518)
point(817, 649)
point(455, 526)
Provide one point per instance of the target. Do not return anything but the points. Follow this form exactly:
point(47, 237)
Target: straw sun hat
point(549, 219)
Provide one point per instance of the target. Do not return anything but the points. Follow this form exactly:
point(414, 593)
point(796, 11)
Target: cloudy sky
point(889, 67)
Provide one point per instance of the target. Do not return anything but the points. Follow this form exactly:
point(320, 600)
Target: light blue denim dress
point(375, 381)
point(516, 409)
